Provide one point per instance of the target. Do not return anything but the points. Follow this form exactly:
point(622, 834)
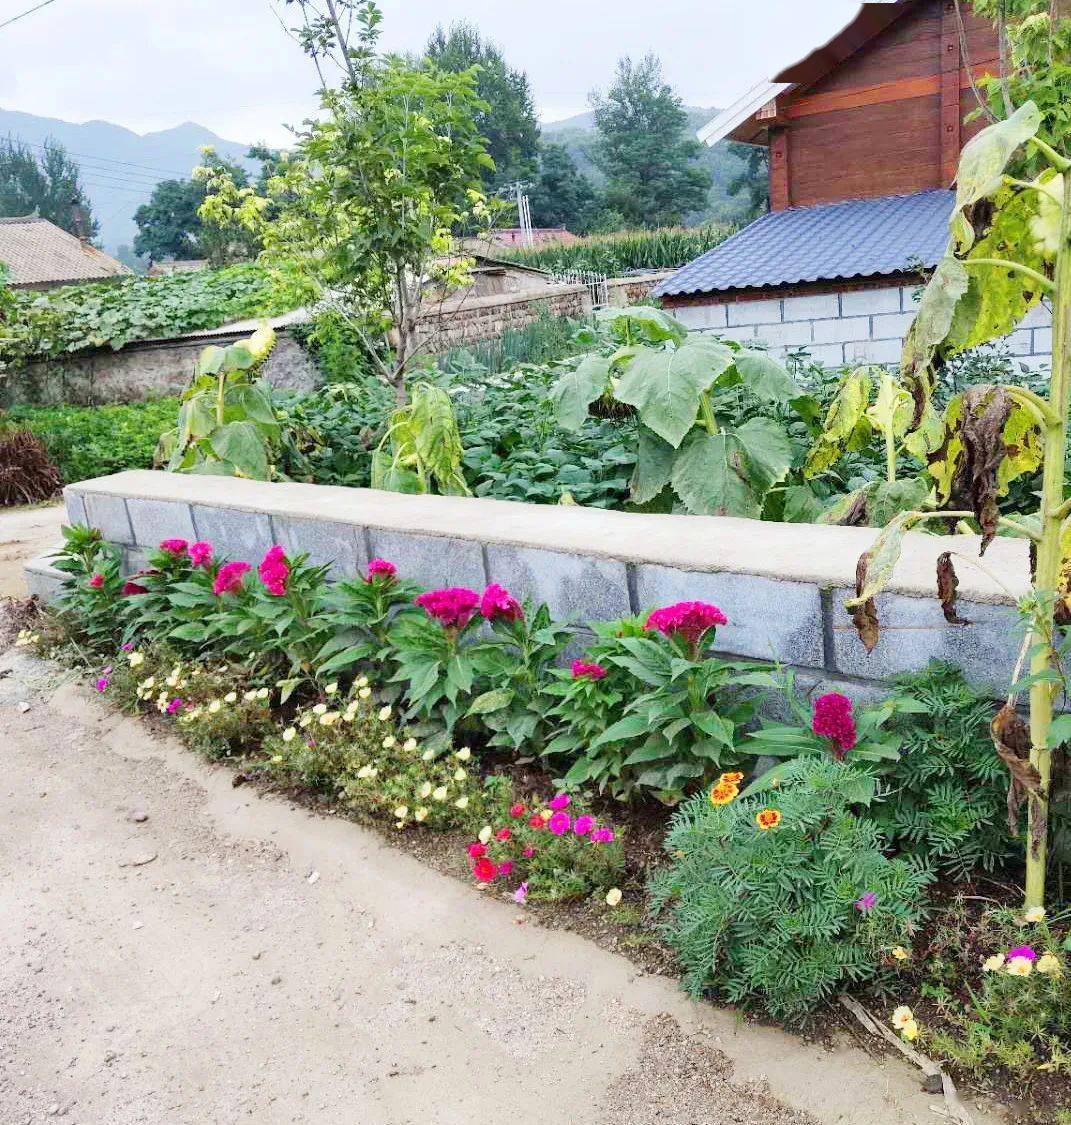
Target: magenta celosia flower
point(274, 571)
point(201, 553)
point(97, 581)
point(561, 801)
point(452, 607)
point(176, 547)
point(381, 568)
point(559, 823)
point(690, 620)
point(498, 604)
point(520, 895)
point(175, 705)
point(130, 587)
point(583, 825)
point(1022, 951)
point(602, 836)
point(584, 670)
point(865, 902)
point(833, 719)
point(102, 684)
point(230, 578)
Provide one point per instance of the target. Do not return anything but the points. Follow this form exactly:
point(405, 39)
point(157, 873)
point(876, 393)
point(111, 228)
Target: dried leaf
point(1012, 741)
point(947, 585)
point(864, 613)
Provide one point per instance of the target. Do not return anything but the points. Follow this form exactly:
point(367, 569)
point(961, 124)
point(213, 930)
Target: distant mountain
point(120, 167)
point(577, 134)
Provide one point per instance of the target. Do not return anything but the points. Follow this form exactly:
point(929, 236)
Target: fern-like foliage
point(769, 917)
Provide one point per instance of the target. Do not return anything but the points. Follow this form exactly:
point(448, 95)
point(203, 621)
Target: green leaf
point(801, 505)
point(642, 322)
point(241, 444)
point(711, 477)
point(491, 701)
point(768, 449)
point(930, 328)
point(576, 390)
point(665, 385)
point(846, 428)
point(892, 409)
point(654, 467)
point(765, 377)
point(631, 726)
point(889, 498)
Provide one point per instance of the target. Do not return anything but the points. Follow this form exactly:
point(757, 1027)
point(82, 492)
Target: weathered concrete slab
point(236, 534)
point(155, 520)
point(109, 515)
point(341, 546)
point(75, 504)
point(431, 560)
point(575, 587)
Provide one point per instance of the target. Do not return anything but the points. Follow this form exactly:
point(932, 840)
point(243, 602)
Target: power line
point(105, 159)
point(28, 12)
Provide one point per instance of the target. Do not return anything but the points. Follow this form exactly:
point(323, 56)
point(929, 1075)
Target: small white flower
point(361, 681)
point(463, 754)
point(409, 745)
point(231, 697)
point(365, 772)
point(136, 658)
point(420, 814)
point(424, 790)
point(330, 689)
point(304, 721)
point(459, 774)
point(365, 692)
point(214, 706)
point(329, 719)
point(1034, 914)
point(320, 709)
point(485, 834)
point(427, 755)
point(172, 680)
point(384, 713)
point(401, 812)
point(289, 734)
point(388, 742)
point(613, 896)
point(263, 693)
point(461, 803)
point(439, 793)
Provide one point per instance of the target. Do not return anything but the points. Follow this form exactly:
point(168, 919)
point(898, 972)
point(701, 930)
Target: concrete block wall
point(848, 327)
point(782, 586)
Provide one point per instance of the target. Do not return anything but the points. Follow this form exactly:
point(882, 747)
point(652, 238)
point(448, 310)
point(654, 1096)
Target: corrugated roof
point(857, 238)
point(37, 252)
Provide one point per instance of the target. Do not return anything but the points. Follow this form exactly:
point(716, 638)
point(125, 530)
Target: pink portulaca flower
point(230, 578)
point(583, 825)
point(689, 620)
point(102, 684)
point(274, 571)
point(498, 604)
point(559, 823)
point(1024, 951)
point(174, 705)
point(201, 553)
point(602, 836)
point(453, 607)
point(833, 719)
point(96, 581)
point(381, 568)
point(520, 895)
point(175, 547)
point(584, 670)
point(561, 801)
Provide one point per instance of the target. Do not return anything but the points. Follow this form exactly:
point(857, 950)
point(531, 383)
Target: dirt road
point(25, 533)
point(167, 956)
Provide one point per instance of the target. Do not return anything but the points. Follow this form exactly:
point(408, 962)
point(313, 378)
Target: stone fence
point(782, 586)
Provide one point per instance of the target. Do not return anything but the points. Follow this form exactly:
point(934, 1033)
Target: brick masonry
point(845, 328)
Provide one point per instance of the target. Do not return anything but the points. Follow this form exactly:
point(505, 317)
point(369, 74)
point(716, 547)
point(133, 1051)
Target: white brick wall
point(858, 325)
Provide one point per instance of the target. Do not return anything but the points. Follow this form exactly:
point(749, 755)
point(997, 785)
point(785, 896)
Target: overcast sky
point(227, 64)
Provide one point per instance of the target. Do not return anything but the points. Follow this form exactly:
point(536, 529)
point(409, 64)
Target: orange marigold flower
point(723, 793)
point(733, 778)
point(768, 818)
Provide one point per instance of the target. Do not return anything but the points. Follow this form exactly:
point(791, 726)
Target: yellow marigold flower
point(485, 834)
point(993, 964)
point(1019, 967)
point(723, 793)
point(768, 818)
point(461, 803)
point(424, 790)
point(388, 742)
point(384, 713)
point(910, 1031)
point(330, 689)
point(613, 896)
point(289, 734)
point(319, 709)
point(733, 778)
point(901, 1017)
point(231, 697)
point(900, 953)
point(420, 814)
point(439, 793)
point(463, 754)
point(1048, 964)
point(365, 692)
point(1034, 914)
point(214, 707)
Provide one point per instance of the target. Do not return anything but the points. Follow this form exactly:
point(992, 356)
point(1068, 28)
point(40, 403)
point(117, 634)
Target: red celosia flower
point(484, 869)
point(452, 607)
point(583, 670)
point(498, 604)
point(274, 571)
point(833, 719)
point(476, 849)
point(97, 581)
point(176, 547)
point(516, 811)
point(130, 587)
point(690, 620)
point(201, 553)
point(380, 568)
point(230, 578)
point(503, 834)
point(536, 821)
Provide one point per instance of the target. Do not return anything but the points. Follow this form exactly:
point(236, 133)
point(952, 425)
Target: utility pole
point(524, 212)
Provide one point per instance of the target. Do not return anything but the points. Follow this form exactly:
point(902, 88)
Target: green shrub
point(93, 441)
point(781, 917)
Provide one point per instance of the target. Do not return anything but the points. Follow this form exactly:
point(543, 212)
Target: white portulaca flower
point(384, 713)
point(320, 709)
point(231, 697)
point(289, 734)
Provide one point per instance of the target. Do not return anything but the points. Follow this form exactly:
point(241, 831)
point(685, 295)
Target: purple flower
point(602, 836)
point(865, 902)
point(559, 823)
point(520, 895)
point(175, 705)
point(583, 825)
point(1022, 951)
point(102, 684)
point(128, 647)
point(561, 801)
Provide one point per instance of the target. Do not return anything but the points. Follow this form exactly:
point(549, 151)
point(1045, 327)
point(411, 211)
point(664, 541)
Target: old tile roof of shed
point(37, 252)
point(857, 238)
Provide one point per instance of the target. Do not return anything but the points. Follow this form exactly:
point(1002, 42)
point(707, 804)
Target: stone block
point(155, 520)
point(1040, 316)
point(42, 580)
point(812, 307)
point(233, 534)
point(784, 335)
point(700, 317)
point(869, 302)
point(575, 587)
point(134, 559)
point(755, 312)
point(914, 631)
point(1021, 342)
point(337, 545)
point(75, 505)
point(431, 560)
point(874, 351)
point(844, 328)
point(1042, 342)
point(890, 326)
point(768, 619)
point(828, 355)
point(108, 515)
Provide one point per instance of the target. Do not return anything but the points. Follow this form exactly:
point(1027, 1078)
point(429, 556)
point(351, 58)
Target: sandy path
point(25, 533)
point(214, 984)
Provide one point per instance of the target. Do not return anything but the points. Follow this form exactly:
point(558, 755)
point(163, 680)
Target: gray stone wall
point(846, 328)
point(782, 586)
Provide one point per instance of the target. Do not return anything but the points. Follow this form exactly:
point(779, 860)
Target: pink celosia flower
point(528, 852)
point(690, 620)
point(505, 867)
point(484, 869)
point(176, 547)
point(865, 902)
point(498, 604)
point(476, 849)
point(102, 684)
point(1022, 951)
point(201, 553)
point(559, 823)
point(561, 801)
point(175, 705)
point(380, 568)
point(584, 670)
point(274, 571)
point(833, 719)
point(602, 836)
point(452, 607)
point(230, 578)
point(520, 895)
point(97, 581)
point(583, 825)
point(130, 587)
point(516, 811)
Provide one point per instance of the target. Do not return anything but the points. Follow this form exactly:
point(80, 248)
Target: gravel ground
point(24, 533)
point(180, 952)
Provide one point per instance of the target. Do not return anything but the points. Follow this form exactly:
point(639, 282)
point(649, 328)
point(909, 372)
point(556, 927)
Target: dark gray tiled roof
point(857, 238)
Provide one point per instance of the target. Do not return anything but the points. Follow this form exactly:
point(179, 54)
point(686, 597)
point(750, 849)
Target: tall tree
point(507, 121)
point(562, 195)
point(643, 149)
point(752, 181)
point(48, 184)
